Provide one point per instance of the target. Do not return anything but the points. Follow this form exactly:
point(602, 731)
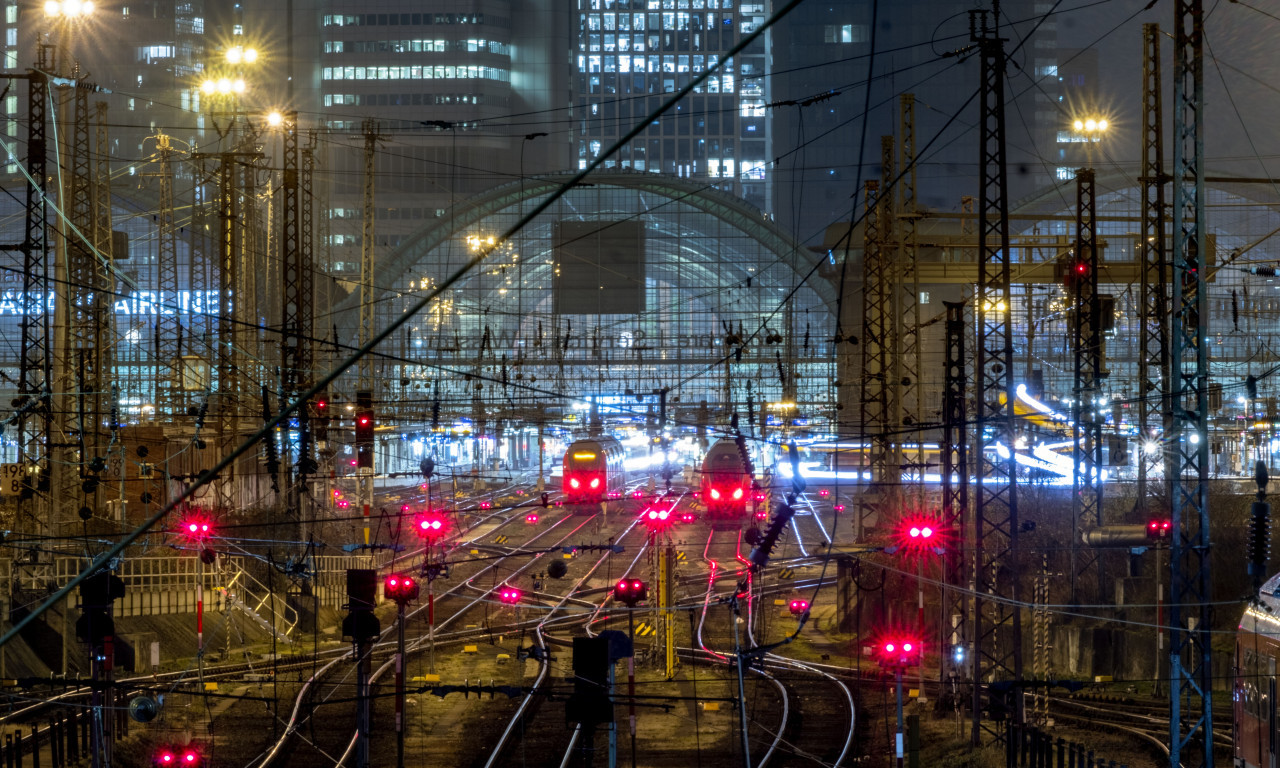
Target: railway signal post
point(362, 627)
point(403, 590)
point(630, 592)
point(896, 654)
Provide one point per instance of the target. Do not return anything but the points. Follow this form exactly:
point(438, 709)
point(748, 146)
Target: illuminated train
point(593, 470)
point(1253, 695)
point(726, 481)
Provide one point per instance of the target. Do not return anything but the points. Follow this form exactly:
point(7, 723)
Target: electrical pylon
point(364, 482)
point(997, 617)
point(168, 370)
point(875, 357)
point(78, 363)
point(908, 358)
point(1153, 345)
point(955, 491)
point(891, 252)
point(1190, 616)
point(1086, 343)
point(34, 426)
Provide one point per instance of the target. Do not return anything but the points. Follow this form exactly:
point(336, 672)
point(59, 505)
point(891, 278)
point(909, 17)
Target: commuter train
point(1254, 692)
point(726, 481)
point(593, 470)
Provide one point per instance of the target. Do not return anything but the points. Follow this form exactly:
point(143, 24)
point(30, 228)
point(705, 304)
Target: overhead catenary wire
point(324, 381)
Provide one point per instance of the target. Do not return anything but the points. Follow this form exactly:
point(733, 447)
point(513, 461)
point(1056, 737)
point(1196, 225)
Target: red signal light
point(188, 757)
point(195, 528)
point(919, 533)
point(657, 516)
point(1159, 529)
point(824, 493)
point(400, 588)
point(762, 514)
point(532, 517)
point(430, 526)
point(798, 607)
point(838, 507)
point(510, 595)
point(900, 652)
point(631, 591)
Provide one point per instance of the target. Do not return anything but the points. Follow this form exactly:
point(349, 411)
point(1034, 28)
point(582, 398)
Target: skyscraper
point(441, 83)
point(631, 54)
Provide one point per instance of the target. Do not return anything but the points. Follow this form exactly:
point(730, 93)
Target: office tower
point(632, 54)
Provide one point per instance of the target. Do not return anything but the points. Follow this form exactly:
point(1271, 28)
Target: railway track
point(327, 684)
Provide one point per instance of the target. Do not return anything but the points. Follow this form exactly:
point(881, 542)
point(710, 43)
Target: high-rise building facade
point(439, 82)
point(630, 55)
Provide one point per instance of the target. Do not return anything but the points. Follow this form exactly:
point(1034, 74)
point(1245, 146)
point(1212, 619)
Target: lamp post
point(66, 13)
point(1092, 129)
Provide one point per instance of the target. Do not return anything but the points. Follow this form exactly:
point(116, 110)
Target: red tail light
point(574, 482)
point(737, 493)
point(715, 494)
point(595, 482)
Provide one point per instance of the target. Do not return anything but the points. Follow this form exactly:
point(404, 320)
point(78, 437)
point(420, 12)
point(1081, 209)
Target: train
point(726, 481)
point(1253, 699)
point(594, 470)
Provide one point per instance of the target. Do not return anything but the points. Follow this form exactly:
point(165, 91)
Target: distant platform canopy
point(634, 279)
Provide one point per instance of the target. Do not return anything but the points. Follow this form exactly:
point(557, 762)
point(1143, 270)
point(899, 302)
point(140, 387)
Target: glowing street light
point(223, 86)
point(239, 54)
point(68, 9)
point(1091, 126)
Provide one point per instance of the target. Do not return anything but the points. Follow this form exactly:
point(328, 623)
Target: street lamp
point(65, 13)
point(68, 9)
point(1091, 129)
point(223, 86)
point(239, 54)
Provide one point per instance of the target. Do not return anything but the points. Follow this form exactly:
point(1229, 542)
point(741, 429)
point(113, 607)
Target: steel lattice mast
point(890, 253)
point(875, 315)
point(168, 326)
point(1190, 670)
point(1086, 347)
point(34, 372)
point(955, 487)
point(909, 362)
point(364, 483)
point(1153, 306)
point(78, 385)
point(997, 618)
